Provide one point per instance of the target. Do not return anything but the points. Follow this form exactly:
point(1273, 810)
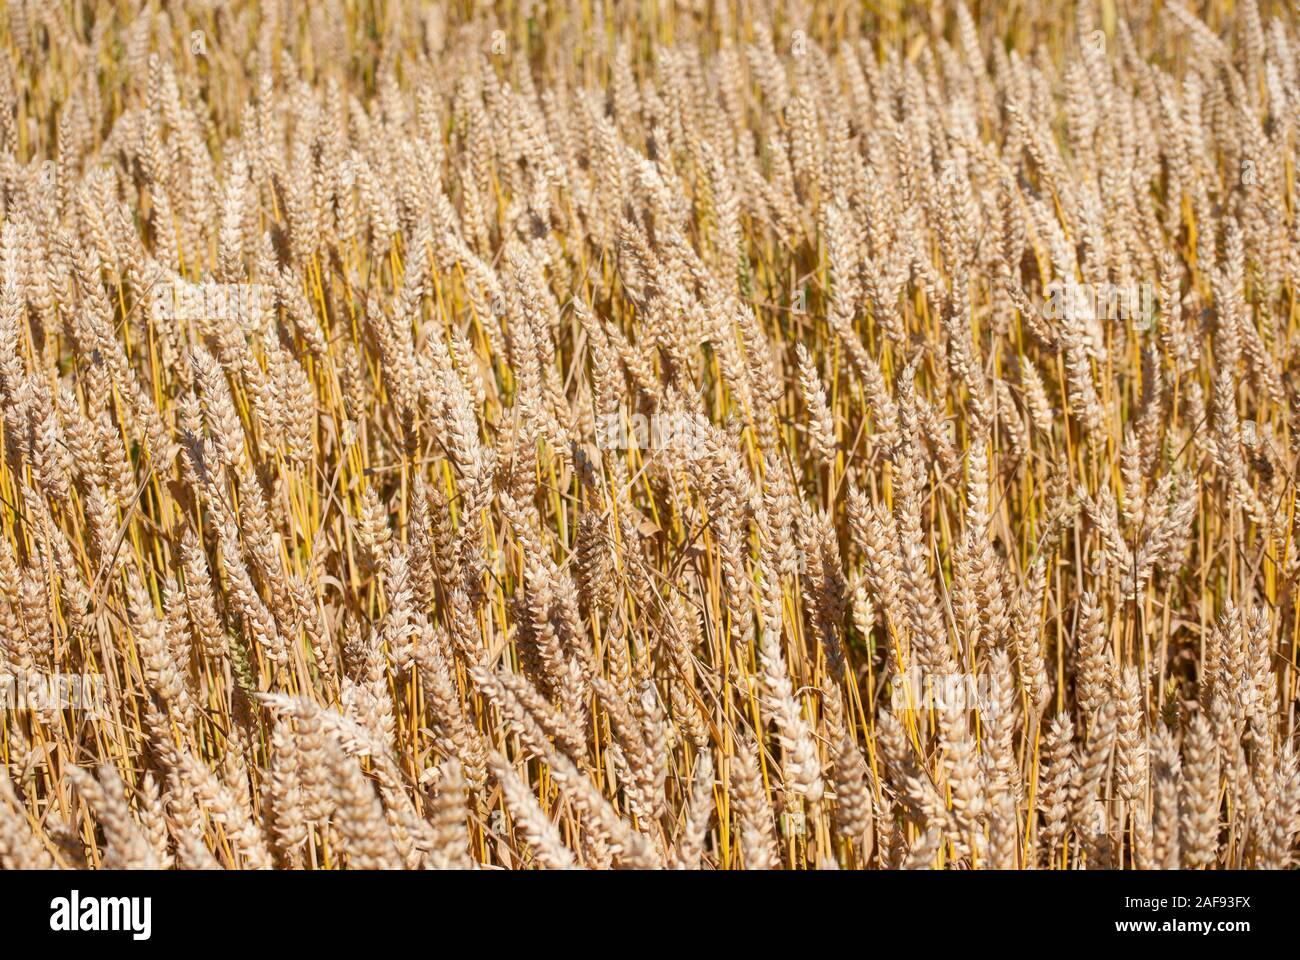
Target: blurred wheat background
point(579, 434)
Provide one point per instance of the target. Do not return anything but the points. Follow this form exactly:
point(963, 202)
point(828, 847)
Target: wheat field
point(687, 435)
